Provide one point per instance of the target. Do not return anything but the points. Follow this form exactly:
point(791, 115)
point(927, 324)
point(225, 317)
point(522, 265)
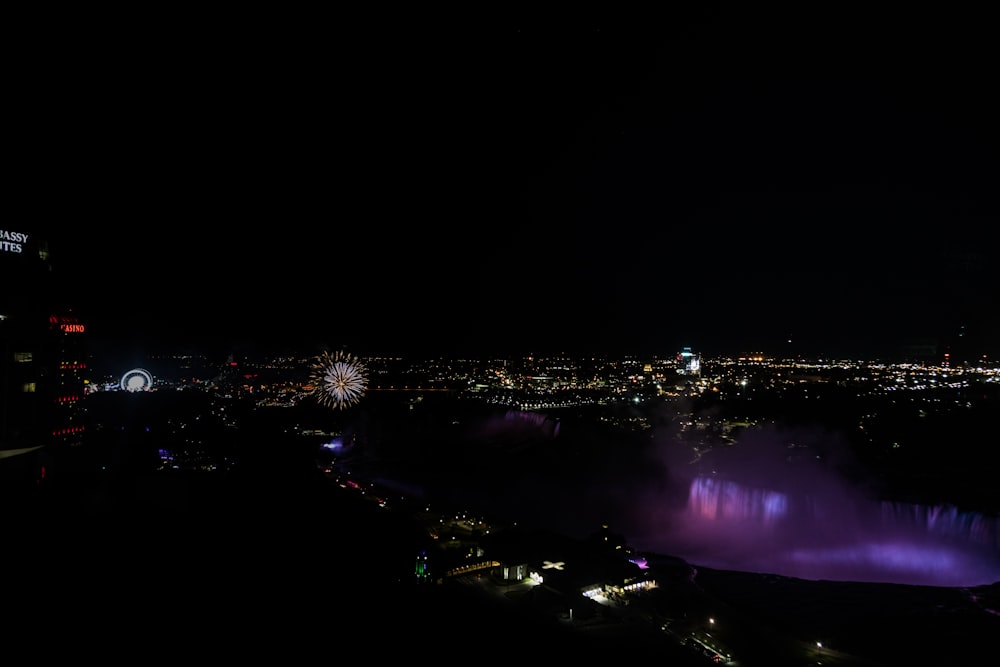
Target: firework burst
point(338, 379)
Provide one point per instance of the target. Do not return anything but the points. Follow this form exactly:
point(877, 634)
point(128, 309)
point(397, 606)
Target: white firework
point(338, 380)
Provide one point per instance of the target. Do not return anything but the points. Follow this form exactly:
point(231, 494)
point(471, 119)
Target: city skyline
point(292, 302)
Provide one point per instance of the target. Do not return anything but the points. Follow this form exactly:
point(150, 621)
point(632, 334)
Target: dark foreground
point(290, 567)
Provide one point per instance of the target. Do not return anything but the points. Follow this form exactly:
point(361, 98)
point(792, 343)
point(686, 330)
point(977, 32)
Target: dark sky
point(712, 178)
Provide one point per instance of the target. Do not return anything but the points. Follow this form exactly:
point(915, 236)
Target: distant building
point(688, 362)
point(43, 363)
point(574, 568)
point(920, 350)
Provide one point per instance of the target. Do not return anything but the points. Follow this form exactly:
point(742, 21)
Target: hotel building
point(43, 365)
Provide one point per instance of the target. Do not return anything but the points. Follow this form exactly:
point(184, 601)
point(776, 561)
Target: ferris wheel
point(137, 379)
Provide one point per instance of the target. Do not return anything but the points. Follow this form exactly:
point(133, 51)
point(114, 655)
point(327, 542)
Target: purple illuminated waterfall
point(782, 501)
point(731, 525)
point(784, 510)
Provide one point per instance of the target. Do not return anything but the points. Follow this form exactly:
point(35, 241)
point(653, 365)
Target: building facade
point(43, 368)
point(688, 362)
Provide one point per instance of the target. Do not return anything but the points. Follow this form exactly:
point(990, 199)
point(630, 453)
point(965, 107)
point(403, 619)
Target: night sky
point(731, 182)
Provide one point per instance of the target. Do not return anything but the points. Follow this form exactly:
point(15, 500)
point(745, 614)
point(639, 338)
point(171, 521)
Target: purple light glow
point(785, 501)
point(728, 526)
point(335, 445)
point(785, 510)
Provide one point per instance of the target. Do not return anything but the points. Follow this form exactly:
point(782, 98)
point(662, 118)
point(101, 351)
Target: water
point(776, 502)
point(730, 525)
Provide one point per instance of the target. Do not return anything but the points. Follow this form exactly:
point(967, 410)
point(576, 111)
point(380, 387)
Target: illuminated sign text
point(12, 241)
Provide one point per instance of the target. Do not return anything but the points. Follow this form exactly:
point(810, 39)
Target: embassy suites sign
point(12, 242)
